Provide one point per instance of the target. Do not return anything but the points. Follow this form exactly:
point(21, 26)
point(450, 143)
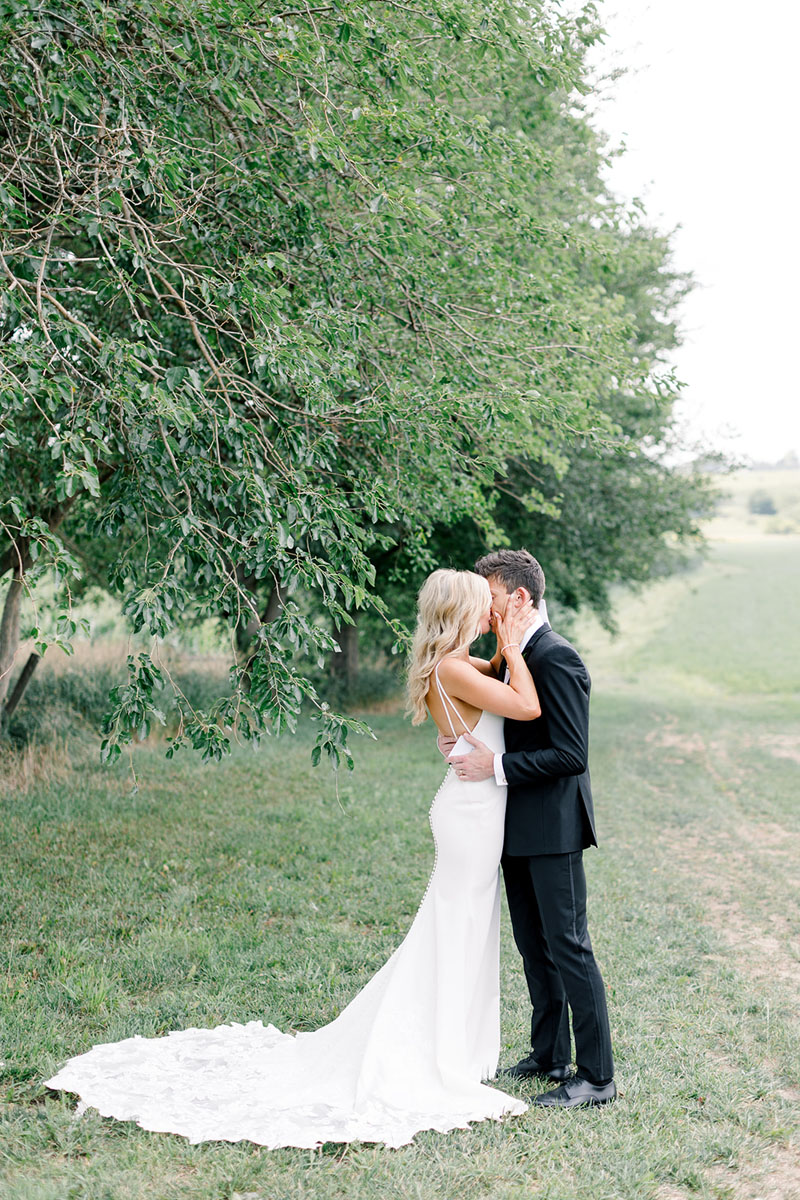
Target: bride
point(411, 1050)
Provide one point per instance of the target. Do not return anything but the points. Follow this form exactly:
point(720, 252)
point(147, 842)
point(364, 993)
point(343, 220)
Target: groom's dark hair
point(514, 568)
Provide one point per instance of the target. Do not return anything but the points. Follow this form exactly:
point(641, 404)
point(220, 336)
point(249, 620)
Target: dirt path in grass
point(746, 877)
point(747, 873)
point(725, 870)
point(778, 1180)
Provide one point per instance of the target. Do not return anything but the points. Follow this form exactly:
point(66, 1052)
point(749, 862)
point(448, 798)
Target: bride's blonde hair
point(449, 611)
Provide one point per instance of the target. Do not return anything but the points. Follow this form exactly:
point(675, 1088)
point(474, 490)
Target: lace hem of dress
point(180, 1092)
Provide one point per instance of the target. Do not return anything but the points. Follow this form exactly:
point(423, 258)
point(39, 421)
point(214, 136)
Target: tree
point(599, 512)
point(282, 288)
point(761, 502)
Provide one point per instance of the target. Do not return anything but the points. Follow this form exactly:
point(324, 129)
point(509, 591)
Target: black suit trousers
point(547, 903)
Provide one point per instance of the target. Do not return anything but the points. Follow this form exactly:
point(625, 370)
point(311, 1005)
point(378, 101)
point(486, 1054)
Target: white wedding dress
point(408, 1053)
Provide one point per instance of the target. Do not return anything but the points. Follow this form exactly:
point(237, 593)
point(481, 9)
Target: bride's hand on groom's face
point(512, 623)
point(521, 618)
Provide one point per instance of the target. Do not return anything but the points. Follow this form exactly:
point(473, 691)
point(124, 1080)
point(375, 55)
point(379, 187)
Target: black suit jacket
point(549, 808)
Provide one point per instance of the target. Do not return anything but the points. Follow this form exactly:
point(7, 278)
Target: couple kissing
point(416, 1047)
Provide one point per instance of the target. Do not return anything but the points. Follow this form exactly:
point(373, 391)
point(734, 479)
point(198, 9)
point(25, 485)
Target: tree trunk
point(22, 683)
point(346, 664)
point(247, 630)
point(246, 633)
point(9, 639)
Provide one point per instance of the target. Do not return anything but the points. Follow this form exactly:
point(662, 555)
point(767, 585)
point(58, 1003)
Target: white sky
point(709, 113)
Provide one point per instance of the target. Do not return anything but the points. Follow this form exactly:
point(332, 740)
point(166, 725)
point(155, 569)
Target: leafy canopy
point(282, 288)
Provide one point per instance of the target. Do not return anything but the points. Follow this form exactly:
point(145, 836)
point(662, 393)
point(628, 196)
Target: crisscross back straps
point(448, 705)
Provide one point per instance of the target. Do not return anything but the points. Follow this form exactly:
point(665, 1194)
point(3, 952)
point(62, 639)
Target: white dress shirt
point(499, 773)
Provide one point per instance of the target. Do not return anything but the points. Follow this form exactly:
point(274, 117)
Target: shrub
point(374, 685)
point(785, 524)
point(762, 503)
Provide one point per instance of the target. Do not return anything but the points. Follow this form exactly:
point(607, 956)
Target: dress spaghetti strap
point(448, 704)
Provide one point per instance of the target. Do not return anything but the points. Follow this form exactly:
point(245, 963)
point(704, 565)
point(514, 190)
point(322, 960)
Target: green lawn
point(249, 891)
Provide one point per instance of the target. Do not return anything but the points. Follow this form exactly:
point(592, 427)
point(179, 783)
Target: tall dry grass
point(35, 765)
point(57, 724)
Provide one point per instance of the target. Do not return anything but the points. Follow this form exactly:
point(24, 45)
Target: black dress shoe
point(531, 1066)
point(578, 1093)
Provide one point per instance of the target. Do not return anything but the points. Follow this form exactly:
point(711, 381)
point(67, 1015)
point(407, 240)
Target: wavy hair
point(449, 610)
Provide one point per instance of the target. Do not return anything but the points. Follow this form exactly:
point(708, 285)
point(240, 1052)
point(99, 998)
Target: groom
point(549, 822)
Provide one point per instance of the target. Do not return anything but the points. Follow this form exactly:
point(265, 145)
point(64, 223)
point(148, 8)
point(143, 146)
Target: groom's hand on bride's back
point(445, 743)
point(477, 765)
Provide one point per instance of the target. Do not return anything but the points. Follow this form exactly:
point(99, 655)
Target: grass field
point(248, 891)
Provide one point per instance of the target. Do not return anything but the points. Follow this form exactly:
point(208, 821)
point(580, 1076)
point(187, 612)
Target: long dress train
point(408, 1053)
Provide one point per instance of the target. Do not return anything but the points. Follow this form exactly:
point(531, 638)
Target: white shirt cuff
point(499, 773)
